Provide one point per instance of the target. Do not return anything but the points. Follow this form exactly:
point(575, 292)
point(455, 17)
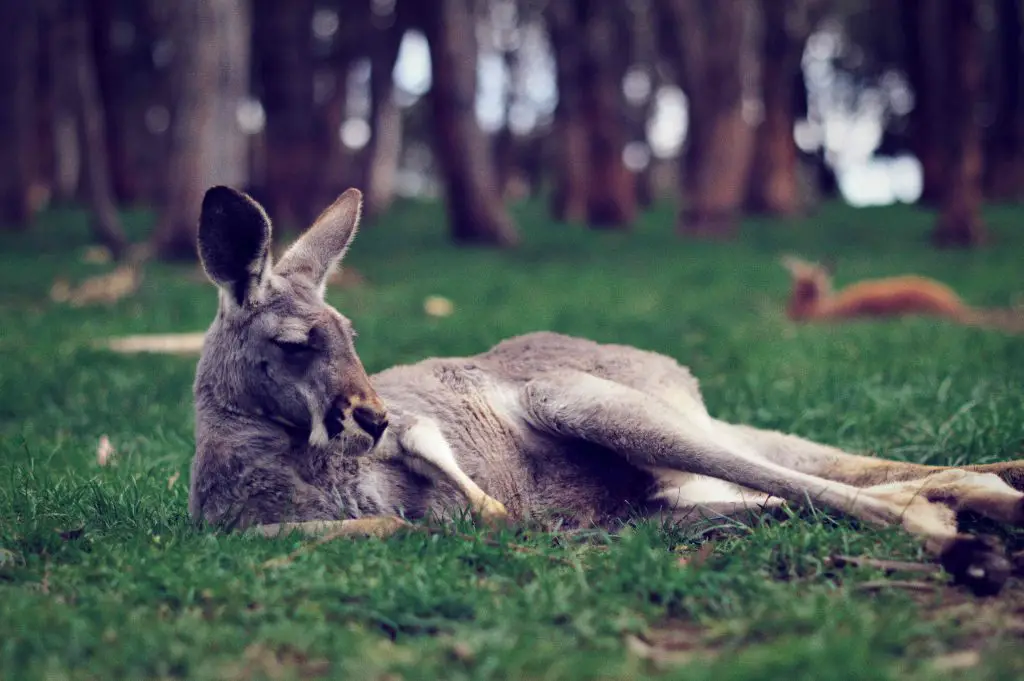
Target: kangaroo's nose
point(372, 421)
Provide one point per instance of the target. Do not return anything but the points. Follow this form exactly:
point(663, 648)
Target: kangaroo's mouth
point(334, 422)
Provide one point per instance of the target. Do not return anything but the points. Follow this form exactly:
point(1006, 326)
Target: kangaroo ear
point(234, 244)
point(316, 253)
point(794, 265)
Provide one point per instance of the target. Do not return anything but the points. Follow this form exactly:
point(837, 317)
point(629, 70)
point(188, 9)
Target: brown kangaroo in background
point(812, 299)
point(291, 433)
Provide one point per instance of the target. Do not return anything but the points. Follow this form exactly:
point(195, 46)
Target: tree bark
point(285, 65)
point(710, 50)
point(1004, 158)
point(611, 187)
point(569, 133)
point(475, 210)
point(19, 45)
point(925, 55)
point(211, 73)
point(642, 50)
point(384, 149)
point(774, 187)
point(77, 61)
point(959, 223)
point(111, 82)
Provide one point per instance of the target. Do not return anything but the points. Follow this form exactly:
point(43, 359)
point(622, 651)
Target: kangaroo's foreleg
point(425, 450)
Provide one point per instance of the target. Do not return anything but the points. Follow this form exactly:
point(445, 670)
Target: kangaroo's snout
point(373, 421)
point(370, 416)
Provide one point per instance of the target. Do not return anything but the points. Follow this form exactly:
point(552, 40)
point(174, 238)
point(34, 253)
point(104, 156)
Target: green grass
point(103, 576)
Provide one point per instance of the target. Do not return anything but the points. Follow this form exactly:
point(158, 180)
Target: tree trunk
point(959, 223)
point(642, 50)
point(211, 72)
point(569, 133)
point(1004, 158)
point(111, 81)
point(19, 44)
point(710, 51)
point(611, 187)
point(77, 61)
point(332, 160)
point(925, 55)
point(475, 209)
point(774, 186)
point(384, 149)
point(283, 38)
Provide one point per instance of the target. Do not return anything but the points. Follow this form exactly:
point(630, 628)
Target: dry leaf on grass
point(105, 288)
point(104, 451)
point(676, 643)
point(8, 557)
point(262, 661)
point(698, 557)
point(173, 479)
point(438, 306)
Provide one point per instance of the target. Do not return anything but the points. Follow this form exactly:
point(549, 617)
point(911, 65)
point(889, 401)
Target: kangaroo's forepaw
point(491, 511)
point(979, 563)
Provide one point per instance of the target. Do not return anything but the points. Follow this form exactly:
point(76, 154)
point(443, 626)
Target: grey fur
point(547, 424)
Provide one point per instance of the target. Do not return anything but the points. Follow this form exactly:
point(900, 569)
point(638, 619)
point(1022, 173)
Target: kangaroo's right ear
point(234, 244)
point(794, 265)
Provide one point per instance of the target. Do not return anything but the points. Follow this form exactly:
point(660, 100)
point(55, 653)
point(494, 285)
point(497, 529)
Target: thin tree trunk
point(710, 52)
point(643, 54)
point(504, 142)
point(73, 45)
point(212, 76)
point(19, 44)
point(925, 55)
point(283, 37)
point(774, 186)
point(569, 133)
point(959, 223)
point(112, 82)
point(332, 160)
point(475, 210)
point(384, 149)
point(611, 187)
point(1004, 158)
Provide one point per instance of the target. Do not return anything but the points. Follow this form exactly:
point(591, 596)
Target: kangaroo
point(292, 434)
point(812, 298)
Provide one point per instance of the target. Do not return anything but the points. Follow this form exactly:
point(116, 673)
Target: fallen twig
point(190, 343)
point(887, 565)
point(880, 584)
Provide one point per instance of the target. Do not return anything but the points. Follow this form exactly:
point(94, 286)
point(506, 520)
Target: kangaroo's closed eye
point(293, 348)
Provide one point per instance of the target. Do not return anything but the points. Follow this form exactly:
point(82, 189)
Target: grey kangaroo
point(291, 433)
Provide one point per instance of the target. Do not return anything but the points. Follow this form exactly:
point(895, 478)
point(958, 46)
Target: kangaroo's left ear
point(316, 253)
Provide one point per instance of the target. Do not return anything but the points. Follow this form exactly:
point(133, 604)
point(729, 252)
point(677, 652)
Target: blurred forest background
point(599, 107)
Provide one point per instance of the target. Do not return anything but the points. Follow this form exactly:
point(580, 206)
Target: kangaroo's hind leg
point(652, 434)
point(983, 489)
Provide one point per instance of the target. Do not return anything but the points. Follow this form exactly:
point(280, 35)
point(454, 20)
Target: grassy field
point(103, 576)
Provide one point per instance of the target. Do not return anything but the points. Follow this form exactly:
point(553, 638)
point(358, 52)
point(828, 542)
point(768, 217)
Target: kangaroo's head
point(277, 352)
point(811, 283)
